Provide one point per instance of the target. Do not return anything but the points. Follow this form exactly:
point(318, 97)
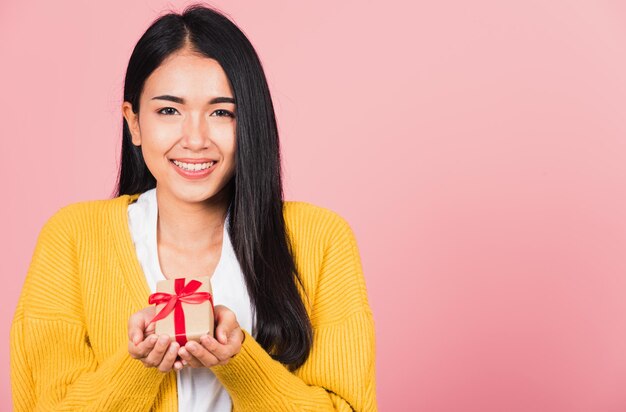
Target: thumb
point(226, 321)
point(134, 330)
point(221, 336)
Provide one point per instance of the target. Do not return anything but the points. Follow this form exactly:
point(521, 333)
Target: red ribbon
point(182, 293)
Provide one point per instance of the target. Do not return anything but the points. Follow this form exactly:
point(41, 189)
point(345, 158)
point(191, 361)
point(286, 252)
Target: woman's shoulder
point(305, 211)
point(328, 259)
point(96, 212)
point(308, 221)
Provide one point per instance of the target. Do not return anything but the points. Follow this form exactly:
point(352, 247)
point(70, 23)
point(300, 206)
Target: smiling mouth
point(193, 167)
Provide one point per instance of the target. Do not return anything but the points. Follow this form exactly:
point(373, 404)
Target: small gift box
point(184, 308)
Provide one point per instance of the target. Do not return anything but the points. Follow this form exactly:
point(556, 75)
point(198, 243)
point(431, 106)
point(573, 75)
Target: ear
point(133, 122)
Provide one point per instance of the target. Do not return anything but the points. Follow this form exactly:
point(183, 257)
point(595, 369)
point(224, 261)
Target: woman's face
point(186, 121)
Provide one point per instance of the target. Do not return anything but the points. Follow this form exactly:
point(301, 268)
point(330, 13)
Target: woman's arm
point(339, 374)
point(53, 366)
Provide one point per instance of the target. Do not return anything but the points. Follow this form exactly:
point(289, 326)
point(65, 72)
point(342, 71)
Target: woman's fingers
point(156, 352)
point(162, 354)
point(198, 351)
point(210, 352)
point(155, 356)
point(222, 352)
point(178, 365)
point(190, 360)
point(151, 350)
point(169, 358)
point(216, 351)
point(143, 348)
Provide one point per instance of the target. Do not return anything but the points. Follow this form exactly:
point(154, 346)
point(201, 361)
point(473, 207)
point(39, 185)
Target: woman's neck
point(191, 227)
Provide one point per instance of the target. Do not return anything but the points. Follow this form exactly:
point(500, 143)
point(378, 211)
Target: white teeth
point(193, 167)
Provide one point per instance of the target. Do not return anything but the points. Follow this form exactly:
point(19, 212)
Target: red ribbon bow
point(182, 293)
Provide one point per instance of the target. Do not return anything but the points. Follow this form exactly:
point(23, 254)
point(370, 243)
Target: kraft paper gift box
point(184, 308)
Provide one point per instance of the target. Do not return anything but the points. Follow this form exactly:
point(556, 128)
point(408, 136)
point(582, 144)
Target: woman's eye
point(167, 110)
point(222, 113)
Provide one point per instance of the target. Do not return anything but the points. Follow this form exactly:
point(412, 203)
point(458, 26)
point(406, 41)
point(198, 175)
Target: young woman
point(199, 193)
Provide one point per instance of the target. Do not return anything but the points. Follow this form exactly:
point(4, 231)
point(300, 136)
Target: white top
point(198, 388)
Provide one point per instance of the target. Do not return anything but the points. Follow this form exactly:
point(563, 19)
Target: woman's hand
point(211, 351)
point(152, 350)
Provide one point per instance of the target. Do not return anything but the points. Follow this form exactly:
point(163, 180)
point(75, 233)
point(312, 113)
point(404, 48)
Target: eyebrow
point(180, 100)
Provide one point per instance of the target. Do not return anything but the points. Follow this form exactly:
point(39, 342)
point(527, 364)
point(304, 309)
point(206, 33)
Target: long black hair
point(256, 223)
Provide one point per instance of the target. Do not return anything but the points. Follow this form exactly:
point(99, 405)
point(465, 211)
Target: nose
point(195, 133)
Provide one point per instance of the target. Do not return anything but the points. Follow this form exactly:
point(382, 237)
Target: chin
point(200, 195)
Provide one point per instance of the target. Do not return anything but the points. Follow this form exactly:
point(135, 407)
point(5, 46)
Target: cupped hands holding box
point(178, 330)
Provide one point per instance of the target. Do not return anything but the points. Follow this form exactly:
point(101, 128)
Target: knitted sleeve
point(53, 366)
point(339, 374)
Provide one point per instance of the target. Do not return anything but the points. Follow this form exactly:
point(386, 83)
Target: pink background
point(477, 149)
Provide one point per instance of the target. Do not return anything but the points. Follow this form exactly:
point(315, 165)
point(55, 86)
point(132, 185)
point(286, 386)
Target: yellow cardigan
point(69, 343)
